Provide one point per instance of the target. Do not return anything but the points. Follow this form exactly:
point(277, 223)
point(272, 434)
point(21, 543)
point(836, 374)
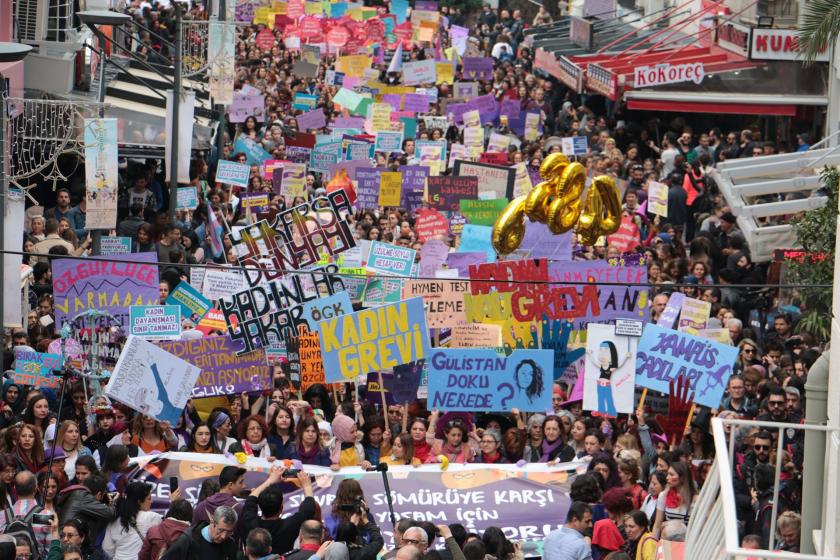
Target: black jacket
point(76, 502)
point(283, 531)
point(191, 545)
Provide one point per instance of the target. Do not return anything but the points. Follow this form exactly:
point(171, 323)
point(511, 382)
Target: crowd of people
point(71, 463)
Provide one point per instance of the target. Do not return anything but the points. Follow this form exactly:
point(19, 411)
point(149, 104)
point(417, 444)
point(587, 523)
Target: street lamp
point(9, 52)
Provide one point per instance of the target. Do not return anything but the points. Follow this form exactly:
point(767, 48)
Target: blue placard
point(155, 321)
point(325, 155)
point(664, 354)
point(325, 308)
point(479, 379)
point(114, 245)
point(477, 239)
point(232, 173)
point(305, 101)
point(389, 259)
point(388, 141)
point(194, 306)
point(187, 197)
point(374, 339)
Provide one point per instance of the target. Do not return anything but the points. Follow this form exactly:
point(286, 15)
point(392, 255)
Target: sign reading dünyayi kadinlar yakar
point(661, 74)
point(374, 339)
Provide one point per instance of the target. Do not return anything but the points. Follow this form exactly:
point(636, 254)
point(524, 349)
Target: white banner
point(186, 109)
point(220, 55)
point(12, 226)
point(101, 174)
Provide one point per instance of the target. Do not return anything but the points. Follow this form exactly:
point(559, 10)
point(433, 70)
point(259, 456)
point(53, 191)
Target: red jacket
point(160, 537)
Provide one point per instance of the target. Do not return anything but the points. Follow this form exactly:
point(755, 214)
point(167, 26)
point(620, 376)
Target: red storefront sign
point(603, 81)
point(778, 44)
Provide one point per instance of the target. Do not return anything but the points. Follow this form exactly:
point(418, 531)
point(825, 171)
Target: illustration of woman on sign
point(529, 379)
point(607, 364)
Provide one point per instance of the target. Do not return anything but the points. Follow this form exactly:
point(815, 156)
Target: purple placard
point(477, 68)
point(349, 122)
point(426, 5)
point(457, 111)
point(299, 154)
point(417, 102)
point(113, 285)
point(244, 12)
point(462, 262)
point(367, 195)
point(247, 105)
point(392, 99)
point(433, 253)
point(620, 301)
point(511, 108)
point(313, 119)
point(217, 355)
point(545, 245)
point(413, 184)
point(487, 107)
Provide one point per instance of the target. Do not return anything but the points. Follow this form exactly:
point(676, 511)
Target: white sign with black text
point(661, 74)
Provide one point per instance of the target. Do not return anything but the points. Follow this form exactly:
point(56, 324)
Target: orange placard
point(311, 363)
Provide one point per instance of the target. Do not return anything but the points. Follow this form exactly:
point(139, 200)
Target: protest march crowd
point(69, 448)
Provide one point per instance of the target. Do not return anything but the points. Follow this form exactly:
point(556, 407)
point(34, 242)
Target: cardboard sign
point(664, 354)
point(574, 145)
point(152, 381)
point(219, 283)
point(430, 224)
point(36, 368)
point(390, 188)
point(476, 335)
point(390, 260)
point(193, 305)
point(155, 321)
point(629, 327)
point(233, 173)
point(446, 192)
point(483, 212)
point(388, 141)
point(374, 339)
point(494, 181)
point(658, 198)
point(311, 363)
point(444, 300)
point(481, 380)
point(609, 374)
point(672, 310)
point(419, 72)
point(694, 314)
point(222, 371)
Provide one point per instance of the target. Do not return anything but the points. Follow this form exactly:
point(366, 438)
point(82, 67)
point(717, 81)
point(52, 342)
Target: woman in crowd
point(70, 441)
point(47, 491)
point(533, 432)
point(85, 467)
point(114, 466)
point(76, 534)
point(152, 436)
point(220, 428)
point(346, 452)
point(553, 447)
point(420, 438)
point(282, 432)
point(38, 413)
point(124, 536)
point(29, 451)
point(308, 448)
point(455, 445)
point(641, 544)
point(402, 451)
point(376, 440)
point(252, 439)
point(490, 448)
point(201, 440)
point(676, 502)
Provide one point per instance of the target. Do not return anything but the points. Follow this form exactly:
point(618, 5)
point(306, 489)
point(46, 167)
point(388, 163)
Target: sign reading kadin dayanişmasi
point(194, 306)
point(392, 260)
point(152, 381)
point(113, 285)
point(155, 321)
point(222, 371)
point(664, 355)
point(444, 300)
point(101, 173)
point(482, 380)
point(233, 173)
point(609, 371)
point(36, 368)
point(374, 339)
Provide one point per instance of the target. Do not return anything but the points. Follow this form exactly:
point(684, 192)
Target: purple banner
point(392, 99)
point(313, 119)
point(112, 286)
point(413, 184)
point(463, 261)
point(349, 122)
point(511, 108)
point(417, 102)
point(487, 107)
point(367, 195)
point(525, 502)
point(223, 372)
point(477, 68)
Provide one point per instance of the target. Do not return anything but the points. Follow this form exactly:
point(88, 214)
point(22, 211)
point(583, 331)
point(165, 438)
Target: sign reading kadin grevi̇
point(661, 74)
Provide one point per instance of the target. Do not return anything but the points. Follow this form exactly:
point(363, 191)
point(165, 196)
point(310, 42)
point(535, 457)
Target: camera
point(355, 507)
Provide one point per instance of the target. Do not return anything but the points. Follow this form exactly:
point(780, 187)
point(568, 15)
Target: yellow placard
point(445, 73)
point(380, 117)
point(390, 187)
point(313, 8)
point(353, 65)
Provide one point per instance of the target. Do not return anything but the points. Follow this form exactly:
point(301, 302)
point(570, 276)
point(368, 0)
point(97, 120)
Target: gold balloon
point(589, 224)
point(610, 219)
point(536, 202)
point(564, 211)
point(553, 165)
point(509, 229)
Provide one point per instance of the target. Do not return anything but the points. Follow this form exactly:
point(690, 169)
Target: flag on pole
point(396, 62)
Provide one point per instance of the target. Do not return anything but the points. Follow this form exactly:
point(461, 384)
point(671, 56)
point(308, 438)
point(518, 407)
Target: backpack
point(21, 527)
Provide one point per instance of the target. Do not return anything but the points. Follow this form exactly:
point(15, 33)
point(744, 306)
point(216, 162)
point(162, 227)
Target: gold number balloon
point(564, 211)
point(588, 225)
point(536, 202)
point(509, 229)
point(611, 216)
point(553, 165)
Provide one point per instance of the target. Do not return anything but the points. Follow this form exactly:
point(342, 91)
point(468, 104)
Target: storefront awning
point(711, 107)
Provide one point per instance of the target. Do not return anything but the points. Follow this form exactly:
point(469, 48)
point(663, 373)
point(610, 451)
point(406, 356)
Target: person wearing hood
point(231, 482)
point(89, 502)
point(13, 398)
point(345, 450)
point(160, 537)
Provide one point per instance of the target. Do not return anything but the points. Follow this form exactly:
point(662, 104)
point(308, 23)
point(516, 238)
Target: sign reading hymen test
point(374, 339)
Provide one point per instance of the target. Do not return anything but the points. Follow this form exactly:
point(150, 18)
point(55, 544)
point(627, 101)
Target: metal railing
point(713, 529)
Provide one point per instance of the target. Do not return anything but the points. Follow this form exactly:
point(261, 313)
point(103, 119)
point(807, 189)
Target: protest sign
point(222, 371)
point(419, 72)
point(187, 198)
point(664, 354)
point(112, 286)
point(329, 307)
point(36, 368)
point(390, 188)
point(379, 291)
point(672, 310)
point(430, 224)
point(413, 185)
point(476, 335)
point(367, 192)
point(193, 305)
point(694, 314)
point(152, 381)
point(433, 254)
point(719, 335)
point(219, 283)
point(155, 321)
point(494, 181)
point(388, 141)
point(374, 339)
point(359, 151)
point(482, 212)
point(446, 192)
point(380, 117)
point(481, 380)
point(609, 372)
point(658, 198)
point(313, 119)
point(401, 385)
point(476, 239)
point(246, 105)
point(325, 155)
point(388, 259)
point(114, 245)
point(540, 243)
point(477, 68)
point(233, 173)
point(574, 145)
point(444, 300)
point(292, 179)
point(467, 90)
point(311, 364)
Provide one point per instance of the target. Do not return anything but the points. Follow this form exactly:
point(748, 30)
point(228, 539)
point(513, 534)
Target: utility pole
point(220, 108)
point(176, 101)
